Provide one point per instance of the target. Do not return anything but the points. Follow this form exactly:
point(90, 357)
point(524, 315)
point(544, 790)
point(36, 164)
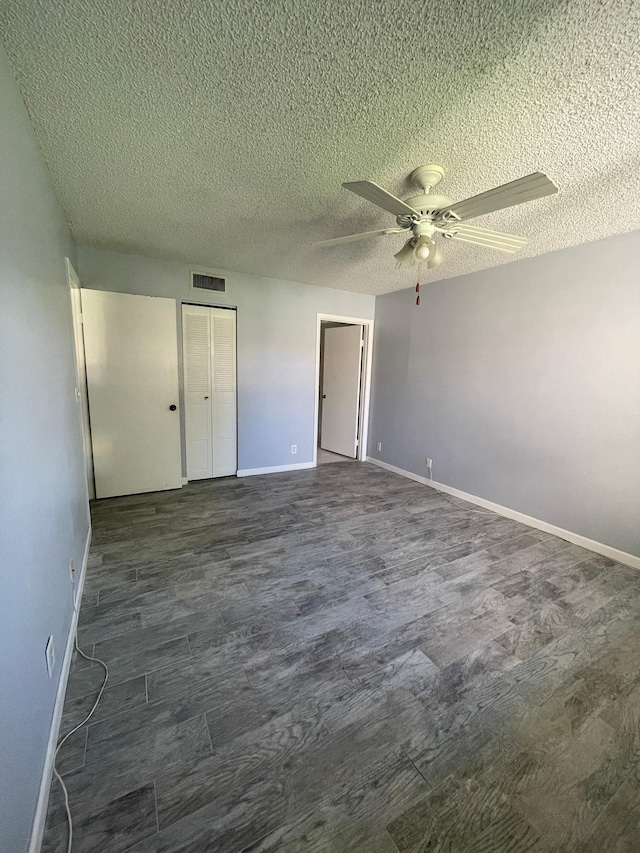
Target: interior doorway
point(343, 378)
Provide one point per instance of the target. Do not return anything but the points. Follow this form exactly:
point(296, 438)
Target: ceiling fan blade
point(488, 244)
point(375, 194)
point(529, 188)
point(350, 238)
point(484, 236)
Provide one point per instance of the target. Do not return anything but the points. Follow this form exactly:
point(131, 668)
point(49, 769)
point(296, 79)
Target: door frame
point(367, 323)
point(180, 303)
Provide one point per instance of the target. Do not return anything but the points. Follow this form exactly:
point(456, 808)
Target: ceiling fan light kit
point(405, 256)
point(427, 214)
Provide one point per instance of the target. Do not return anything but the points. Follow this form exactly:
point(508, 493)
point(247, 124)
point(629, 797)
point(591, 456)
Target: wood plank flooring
point(340, 659)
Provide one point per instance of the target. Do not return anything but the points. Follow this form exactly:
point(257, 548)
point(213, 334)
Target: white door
point(81, 373)
point(209, 344)
point(131, 347)
point(342, 366)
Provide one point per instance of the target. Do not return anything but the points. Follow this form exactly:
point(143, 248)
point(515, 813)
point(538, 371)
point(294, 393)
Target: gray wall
point(43, 521)
point(276, 328)
point(523, 384)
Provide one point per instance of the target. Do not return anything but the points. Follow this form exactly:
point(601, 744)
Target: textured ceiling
point(218, 133)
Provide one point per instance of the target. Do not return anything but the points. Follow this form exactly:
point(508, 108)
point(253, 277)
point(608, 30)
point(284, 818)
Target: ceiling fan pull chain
point(418, 292)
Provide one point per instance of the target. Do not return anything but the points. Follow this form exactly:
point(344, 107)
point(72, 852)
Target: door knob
point(206, 398)
point(324, 396)
point(172, 407)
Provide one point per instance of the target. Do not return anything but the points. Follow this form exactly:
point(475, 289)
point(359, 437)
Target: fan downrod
point(426, 177)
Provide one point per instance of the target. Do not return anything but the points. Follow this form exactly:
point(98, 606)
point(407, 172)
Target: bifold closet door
point(209, 344)
point(131, 347)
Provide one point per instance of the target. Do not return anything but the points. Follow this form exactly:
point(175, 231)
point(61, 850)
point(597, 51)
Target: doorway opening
point(342, 386)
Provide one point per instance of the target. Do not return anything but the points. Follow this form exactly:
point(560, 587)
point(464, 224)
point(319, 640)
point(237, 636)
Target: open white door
point(131, 347)
point(209, 345)
point(342, 367)
point(81, 373)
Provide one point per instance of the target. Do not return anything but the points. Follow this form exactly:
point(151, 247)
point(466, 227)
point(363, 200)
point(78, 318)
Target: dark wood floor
point(339, 659)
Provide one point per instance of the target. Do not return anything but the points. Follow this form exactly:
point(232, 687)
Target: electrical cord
point(73, 731)
point(453, 502)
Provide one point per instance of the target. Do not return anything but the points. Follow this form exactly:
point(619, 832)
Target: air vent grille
point(199, 281)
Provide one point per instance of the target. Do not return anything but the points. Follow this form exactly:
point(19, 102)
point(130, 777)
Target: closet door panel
point(196, 338)
point(223, 337)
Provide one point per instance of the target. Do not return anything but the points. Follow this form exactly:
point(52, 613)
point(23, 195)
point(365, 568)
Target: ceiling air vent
point(199, 281)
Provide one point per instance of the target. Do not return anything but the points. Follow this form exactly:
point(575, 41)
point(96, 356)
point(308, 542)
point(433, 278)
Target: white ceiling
point(218, 133)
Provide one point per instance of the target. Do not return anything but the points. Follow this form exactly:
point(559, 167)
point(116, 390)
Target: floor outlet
point(50, 655)
point(294, 449)
point(379, 446)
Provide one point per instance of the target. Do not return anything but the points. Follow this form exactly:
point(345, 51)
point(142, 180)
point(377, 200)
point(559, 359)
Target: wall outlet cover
point(379, 446)
point(294, 448)
point(428, 462)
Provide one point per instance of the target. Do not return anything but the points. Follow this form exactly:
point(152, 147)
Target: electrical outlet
point(428, 462)
point(294, 449)
point(50, 656)
point(379, 446)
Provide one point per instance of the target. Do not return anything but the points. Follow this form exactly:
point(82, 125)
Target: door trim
point(368, 352)
point(183, 386)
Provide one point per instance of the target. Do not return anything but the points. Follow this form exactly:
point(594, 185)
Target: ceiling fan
point(427, 214)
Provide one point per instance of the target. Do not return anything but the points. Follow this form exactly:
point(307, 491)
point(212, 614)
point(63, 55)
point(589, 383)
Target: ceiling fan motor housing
point(424, 228)
point(428, 205)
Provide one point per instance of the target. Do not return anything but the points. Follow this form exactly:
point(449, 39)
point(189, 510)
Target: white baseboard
point(574, 538)
point(45, 785)
point(274, 469)
point(184, 481)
